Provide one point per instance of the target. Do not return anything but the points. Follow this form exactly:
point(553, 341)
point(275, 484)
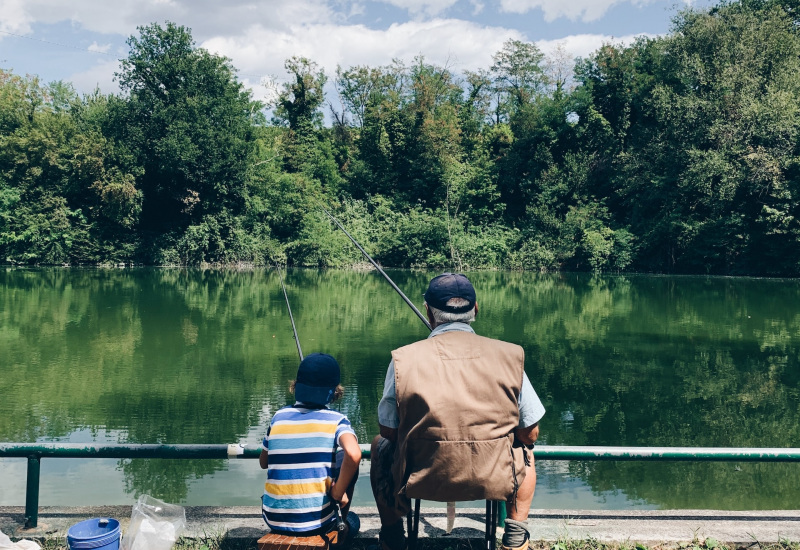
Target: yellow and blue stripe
point(301, 444)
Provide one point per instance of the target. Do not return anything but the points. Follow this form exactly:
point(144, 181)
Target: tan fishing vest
point(457, 399)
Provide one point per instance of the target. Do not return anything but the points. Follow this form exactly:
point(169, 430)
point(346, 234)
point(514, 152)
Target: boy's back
point(301, 444)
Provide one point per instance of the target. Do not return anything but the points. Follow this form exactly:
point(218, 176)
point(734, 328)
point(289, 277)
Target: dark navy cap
point(317, 378)
point(450, 285)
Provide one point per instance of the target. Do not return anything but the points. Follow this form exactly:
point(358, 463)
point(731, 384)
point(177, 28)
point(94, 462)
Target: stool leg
point(491, 525)
point(495, 520)
point(413, 525)
point(488, 521)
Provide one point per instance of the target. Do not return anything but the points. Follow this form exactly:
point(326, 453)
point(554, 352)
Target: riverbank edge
point(243, 525)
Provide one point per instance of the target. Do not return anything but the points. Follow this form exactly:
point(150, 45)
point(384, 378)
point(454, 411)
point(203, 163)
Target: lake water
point(205, 356)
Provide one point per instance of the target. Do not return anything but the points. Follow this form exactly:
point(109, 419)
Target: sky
point(81, 41)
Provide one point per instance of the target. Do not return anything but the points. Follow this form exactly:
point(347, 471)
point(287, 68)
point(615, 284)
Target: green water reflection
point(193, 356)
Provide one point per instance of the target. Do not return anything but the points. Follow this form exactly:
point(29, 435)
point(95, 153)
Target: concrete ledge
point(648, 526)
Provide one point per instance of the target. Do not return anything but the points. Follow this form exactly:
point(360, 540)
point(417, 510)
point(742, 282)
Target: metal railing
point(34, 452)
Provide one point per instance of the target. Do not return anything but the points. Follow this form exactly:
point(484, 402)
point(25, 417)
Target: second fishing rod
point(380, 270)
point(451, 506)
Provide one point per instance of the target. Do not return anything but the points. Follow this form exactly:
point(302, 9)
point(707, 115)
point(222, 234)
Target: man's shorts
point(381, 472)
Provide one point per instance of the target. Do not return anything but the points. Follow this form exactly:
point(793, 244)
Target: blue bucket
point(97, 533)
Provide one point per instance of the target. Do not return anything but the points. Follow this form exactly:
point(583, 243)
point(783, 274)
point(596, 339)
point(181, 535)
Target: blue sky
point(81, 41)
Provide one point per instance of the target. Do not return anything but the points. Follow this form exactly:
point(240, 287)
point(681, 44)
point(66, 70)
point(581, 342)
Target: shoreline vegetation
point(678, 154)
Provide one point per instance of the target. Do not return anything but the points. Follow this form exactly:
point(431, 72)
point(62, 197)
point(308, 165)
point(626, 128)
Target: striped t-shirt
point(301, 445)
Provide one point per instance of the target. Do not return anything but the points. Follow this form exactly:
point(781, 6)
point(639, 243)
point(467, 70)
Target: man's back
point(472, 415)
point(457, 397)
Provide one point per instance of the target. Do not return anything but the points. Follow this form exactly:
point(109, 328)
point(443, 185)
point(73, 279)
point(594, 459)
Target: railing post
point(32, 493)
point(502, 513)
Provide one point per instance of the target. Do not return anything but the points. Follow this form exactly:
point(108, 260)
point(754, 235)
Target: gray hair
point(442, 317)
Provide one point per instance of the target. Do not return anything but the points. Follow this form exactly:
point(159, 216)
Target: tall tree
point(519, 76)
point(298, 106)
point(190, 122)
point(707, 121)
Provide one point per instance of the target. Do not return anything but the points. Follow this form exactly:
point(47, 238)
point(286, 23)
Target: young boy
point(305, 473)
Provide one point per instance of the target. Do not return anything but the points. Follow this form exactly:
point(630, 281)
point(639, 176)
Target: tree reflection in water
point(204, 356)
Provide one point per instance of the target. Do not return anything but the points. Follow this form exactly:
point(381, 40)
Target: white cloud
point(95, 47)
point(458, 44)
point(100, 76)
point(586, 10)
point(477, 6)
point(582, 45)
point(259, 37)
point(422, 7)
point(259, 53)
point(205, 17)
point(14, 18)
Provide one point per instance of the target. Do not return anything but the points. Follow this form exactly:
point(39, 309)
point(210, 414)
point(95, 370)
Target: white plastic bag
point(155, 525)
point(6, 544)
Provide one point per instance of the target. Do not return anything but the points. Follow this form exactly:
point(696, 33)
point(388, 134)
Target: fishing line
point(291, 317)
point(57, 43)
point(374, 263)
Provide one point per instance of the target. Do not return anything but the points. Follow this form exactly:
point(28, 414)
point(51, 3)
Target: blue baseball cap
point(447, 286)
point(317, 378)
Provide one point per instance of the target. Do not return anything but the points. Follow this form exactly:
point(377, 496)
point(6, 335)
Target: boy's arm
point(263, 459)
point(352, 457)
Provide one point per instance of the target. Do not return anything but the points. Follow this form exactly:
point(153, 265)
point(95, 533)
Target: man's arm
point(388, 433)
point(529, 435)
point(531, 412)
point(531, 409)
point(388, 420)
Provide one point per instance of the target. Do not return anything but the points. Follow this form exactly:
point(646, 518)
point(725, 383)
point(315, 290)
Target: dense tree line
point(674, 154)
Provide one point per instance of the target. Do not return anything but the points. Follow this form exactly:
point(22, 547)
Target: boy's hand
point(342, 499)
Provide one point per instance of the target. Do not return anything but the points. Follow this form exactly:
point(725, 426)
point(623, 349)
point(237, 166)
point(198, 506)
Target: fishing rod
point(340, 525)
point(381, 271)
point(451, 506)
point(291, 317)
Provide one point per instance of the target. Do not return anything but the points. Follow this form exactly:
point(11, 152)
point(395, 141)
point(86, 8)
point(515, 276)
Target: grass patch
point(706, 544)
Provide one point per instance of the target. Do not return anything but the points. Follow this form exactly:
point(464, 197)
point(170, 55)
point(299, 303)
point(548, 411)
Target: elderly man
point(458, 420)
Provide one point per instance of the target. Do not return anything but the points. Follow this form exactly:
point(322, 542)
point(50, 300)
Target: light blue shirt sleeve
point(387, 408)
point(531, 409)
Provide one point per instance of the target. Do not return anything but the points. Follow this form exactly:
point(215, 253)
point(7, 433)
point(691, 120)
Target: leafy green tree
point(37, 224)
point(519, 76)
point(298, 105)
point(383, 133)
point(706, 123)
point(103, 179)
point(359, 87)
point(308, 148)
point(190, 123)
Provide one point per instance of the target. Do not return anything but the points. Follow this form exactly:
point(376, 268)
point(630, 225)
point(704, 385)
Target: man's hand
point(342, 498)
point(528, 435)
